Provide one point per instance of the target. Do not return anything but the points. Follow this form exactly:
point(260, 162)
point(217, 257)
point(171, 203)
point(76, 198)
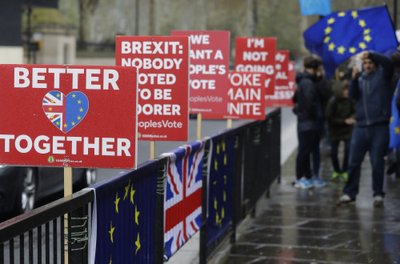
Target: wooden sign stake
point(199, 126)
point(67, 192)
point(152, 149)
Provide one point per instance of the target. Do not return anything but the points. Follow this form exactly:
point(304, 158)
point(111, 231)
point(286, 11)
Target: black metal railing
point(254, 163)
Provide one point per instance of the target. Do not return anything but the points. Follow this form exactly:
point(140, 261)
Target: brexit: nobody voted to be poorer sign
point(76, 116)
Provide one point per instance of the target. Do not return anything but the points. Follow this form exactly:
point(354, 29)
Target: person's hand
point(350, 121)
point(355, 71)
point(363, 55)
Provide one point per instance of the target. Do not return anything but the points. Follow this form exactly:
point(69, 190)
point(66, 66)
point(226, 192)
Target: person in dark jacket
point(372, 93)
point(340, 118)
point(308, 110)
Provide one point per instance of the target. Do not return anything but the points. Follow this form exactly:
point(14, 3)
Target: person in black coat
point(307, 107)
point(340, 118)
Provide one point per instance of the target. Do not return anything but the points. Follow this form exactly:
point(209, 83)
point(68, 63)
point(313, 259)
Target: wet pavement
point(296, 226)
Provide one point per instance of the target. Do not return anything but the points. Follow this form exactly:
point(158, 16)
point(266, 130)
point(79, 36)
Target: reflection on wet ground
point(299, 226)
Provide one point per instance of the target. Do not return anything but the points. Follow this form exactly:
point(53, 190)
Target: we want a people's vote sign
point(163, 63)
point(209, 67)
point(71, 116)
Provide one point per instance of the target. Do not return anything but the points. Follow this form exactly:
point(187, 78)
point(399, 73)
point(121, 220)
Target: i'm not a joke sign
point(71, 116)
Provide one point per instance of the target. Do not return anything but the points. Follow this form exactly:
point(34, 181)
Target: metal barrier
point(234, 180)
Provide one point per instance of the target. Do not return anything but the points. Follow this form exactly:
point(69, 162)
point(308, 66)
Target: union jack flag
point(182, 205)
point(65, 112)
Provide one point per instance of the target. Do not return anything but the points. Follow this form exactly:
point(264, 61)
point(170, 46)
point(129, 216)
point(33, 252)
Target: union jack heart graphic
point(65, 112)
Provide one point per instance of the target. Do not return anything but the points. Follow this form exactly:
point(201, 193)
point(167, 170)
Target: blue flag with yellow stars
point(394, 126)
point(124, 215)
point(341, 35)
point(220, 187)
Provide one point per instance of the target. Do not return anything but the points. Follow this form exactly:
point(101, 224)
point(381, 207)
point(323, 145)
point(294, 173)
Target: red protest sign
point(209, 66)
point(246, 95)
point(283, 93)
point(72, 116)
point(163, 64)
point(254, 54)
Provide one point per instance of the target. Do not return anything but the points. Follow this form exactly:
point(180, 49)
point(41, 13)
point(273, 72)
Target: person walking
point(371, 90)
point(308, 110)
point(340, 118)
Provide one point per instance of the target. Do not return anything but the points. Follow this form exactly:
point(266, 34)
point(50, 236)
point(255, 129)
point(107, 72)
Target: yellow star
point(367, 38)
point(137, 213)
point(352, 50)
point(111, 232)
point(58, 95)
point(341, 50)
point(110, 262)
point(223, 146)
point(50, 108)
point(73, 95)
point(79, 101)
point(328, 30)
point(341, 14)
point(362, 23)
point(331, 20)
point(215, 203)
point(331, 47)
point(217, 148)
point(57, 122)
point(224, 196)
point(65, 125)
point(362, 45)
point(73, 123)
point(354, 14)
point(215, 165)
point(327, 39)
point(137, 243)
point(79, 117)
point(223, 213)
point(116, 202)
point(81, 109)
point(397, 130)
point(132, 195)
point(225, 160)
point(367, 31)
point(127, 189)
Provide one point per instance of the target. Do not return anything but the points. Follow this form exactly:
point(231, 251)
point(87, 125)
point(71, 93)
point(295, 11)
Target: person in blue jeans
point(307, 108)
point(371, 90)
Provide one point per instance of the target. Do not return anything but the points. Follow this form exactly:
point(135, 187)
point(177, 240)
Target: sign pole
point(199, 126)
point(67, 192)
point(229, 123)
point(152, 149)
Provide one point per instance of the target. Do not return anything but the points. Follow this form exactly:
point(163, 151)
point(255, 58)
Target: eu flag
point(124, 218)
point(221, 174)
point(341, 35)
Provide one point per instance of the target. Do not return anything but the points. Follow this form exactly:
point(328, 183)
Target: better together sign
point(72, 116)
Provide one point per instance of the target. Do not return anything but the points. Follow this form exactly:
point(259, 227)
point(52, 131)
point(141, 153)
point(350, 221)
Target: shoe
point(318, 183)
point(303, 183)
point(344, 176)
point(335, 176)
point(378, 201)
point(345, 199)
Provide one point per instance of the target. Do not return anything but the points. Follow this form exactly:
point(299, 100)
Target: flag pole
point(67, 192)
point(199, 126)
point(229, 123)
